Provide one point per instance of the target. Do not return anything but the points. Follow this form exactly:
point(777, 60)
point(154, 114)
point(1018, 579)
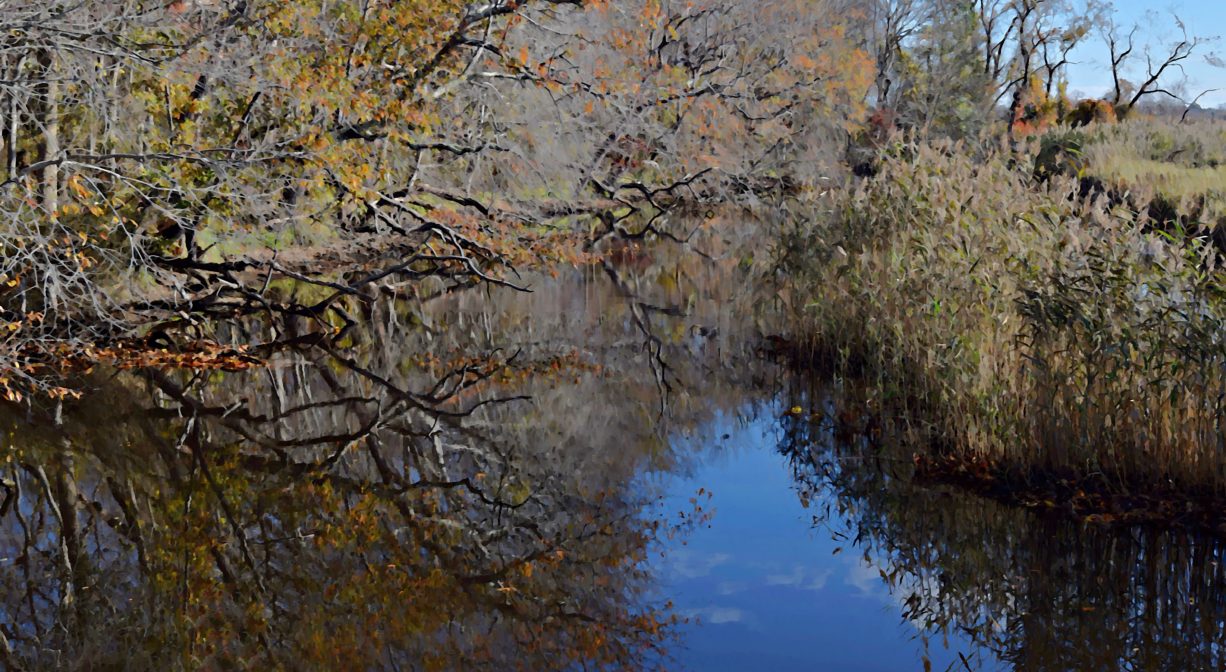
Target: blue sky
point(1206, 18)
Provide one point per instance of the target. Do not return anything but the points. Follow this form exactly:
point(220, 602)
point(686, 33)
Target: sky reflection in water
point(766, 586)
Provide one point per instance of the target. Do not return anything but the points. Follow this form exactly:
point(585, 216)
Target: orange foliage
point(1092, 110)
point(127, 354)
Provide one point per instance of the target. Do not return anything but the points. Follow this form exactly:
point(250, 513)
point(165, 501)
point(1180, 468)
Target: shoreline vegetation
point(1027, 282)
point(292, 235)
point(1043, 342)
point(166, 166)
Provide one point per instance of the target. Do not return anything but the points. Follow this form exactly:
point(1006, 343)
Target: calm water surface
point(770, 587)
point(605, 473)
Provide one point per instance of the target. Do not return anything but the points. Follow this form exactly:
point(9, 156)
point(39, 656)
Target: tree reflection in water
point(446, 486)
point(453, 484)
point(1040, 591)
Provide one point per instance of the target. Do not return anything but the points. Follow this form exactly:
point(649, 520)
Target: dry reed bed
point(1015, 323)
point(1183, 165)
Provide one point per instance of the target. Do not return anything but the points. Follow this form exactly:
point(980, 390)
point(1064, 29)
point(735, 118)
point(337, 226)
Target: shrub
point(1090, 111)
point(1060, 154)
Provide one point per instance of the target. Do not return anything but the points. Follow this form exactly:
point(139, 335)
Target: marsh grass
point(1000, 319)
point(1173, 179)
point(1200, 144)
point(1151, 160)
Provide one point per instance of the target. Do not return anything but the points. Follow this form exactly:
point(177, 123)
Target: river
point(609, 472)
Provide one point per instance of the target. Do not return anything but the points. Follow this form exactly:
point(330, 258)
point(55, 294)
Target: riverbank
point(1013, 325)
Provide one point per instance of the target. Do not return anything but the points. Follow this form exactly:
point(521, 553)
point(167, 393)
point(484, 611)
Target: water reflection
point(770, 590)
point(1041, 592)
point(472, 481)
point(447, 485)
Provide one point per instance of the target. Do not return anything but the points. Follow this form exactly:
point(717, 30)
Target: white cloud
point(686, 564)
point(866, 577)
point(793, 578)
point(800, 577)
point(716, 615)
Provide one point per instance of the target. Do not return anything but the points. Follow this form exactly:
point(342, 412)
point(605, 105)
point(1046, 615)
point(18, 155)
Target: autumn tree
point(957, 62)
point(944, 92)
point(177, 159)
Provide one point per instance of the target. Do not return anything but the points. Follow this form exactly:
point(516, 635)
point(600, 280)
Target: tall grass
point(1183, 164)
point(1003, 319)
point(1200, 144)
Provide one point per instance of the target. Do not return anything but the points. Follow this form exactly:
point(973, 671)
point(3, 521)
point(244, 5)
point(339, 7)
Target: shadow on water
point(487, 480)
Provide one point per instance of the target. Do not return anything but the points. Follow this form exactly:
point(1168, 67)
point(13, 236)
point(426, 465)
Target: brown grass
point(1016, 323)
point(1152, 158)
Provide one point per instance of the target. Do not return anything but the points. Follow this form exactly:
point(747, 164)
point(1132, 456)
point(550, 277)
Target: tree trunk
point(51, 133)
